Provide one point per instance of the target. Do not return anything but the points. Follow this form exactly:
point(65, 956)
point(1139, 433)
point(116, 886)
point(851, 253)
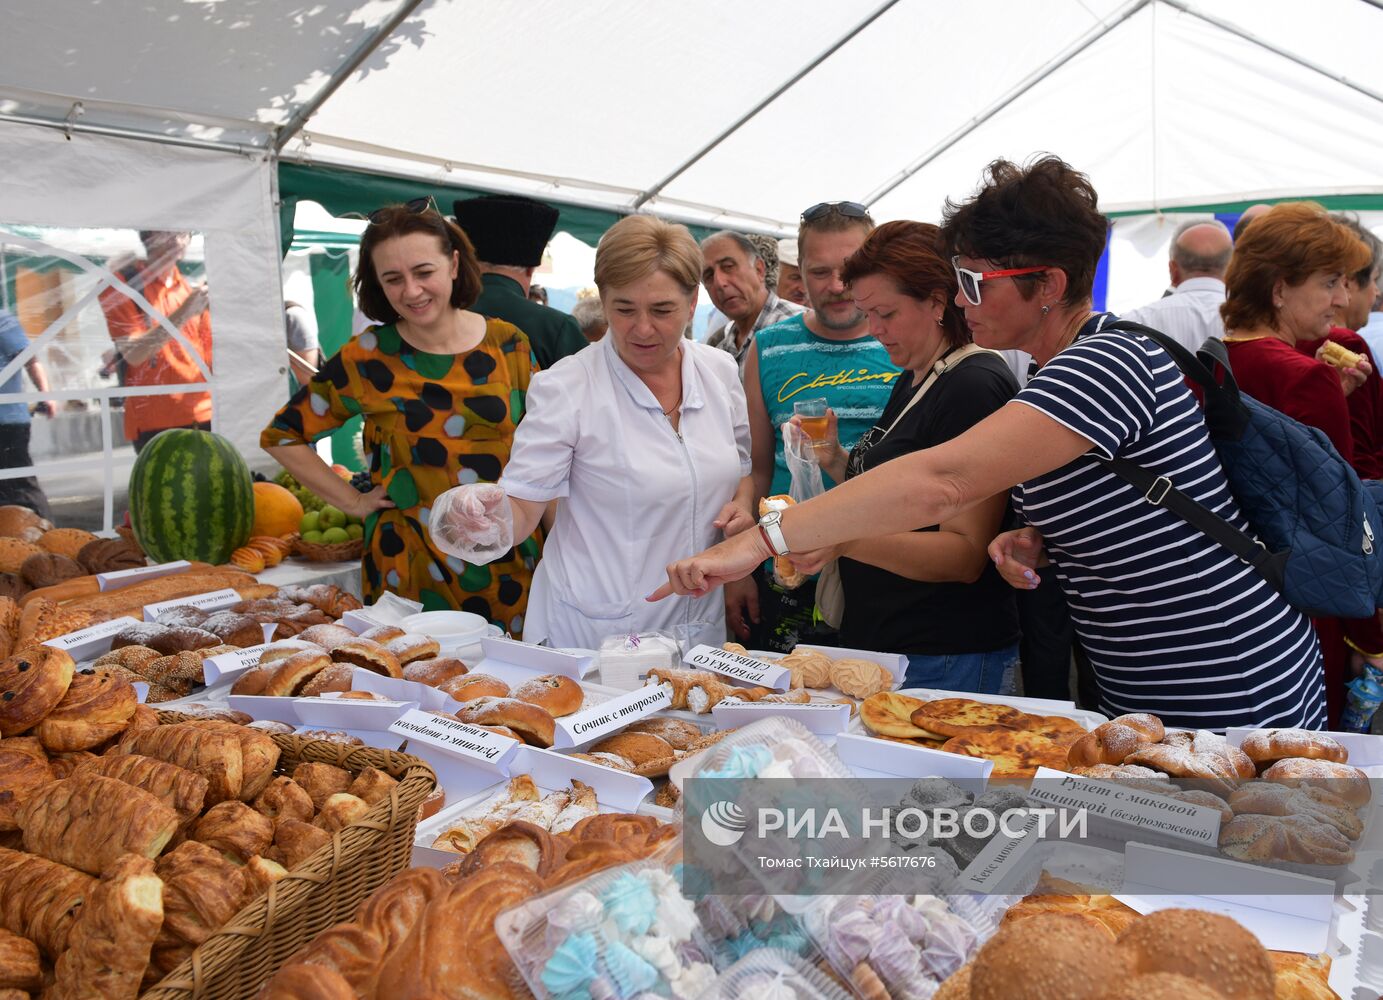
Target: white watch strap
point(770, 523)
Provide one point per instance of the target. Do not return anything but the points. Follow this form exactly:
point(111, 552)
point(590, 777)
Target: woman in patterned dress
point(441, 389)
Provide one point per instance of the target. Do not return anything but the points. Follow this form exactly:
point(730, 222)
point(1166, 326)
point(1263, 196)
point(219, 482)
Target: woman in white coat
point(643, 437)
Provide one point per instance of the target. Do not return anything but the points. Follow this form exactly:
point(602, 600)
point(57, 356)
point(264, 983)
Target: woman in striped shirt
point(1172, 623)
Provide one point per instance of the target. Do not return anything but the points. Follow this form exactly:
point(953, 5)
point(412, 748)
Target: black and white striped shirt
point(1173, 623)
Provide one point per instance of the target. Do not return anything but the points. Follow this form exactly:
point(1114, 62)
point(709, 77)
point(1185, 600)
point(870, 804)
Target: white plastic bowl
point(449, 628)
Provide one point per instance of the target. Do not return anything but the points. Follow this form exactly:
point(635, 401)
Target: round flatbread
point(889, 714)
point(964, 716)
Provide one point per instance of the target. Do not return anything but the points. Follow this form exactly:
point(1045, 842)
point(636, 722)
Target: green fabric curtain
point(1334, 202)
point(333, 305)
point(340, 191)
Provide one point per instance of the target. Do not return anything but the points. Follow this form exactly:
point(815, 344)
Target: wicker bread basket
point(336, 552)
point(235, 962)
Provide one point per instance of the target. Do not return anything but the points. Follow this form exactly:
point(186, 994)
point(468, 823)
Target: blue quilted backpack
point(1316, 523)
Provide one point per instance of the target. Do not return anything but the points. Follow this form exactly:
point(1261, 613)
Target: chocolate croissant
point(89, 821)
point(215, 756)
point(176, 787)
point(258, 752)
point(108, 950)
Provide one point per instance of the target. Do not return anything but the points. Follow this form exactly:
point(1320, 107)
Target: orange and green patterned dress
point(432, 421)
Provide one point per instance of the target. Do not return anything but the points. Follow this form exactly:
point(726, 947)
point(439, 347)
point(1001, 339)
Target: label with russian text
point(749, 669)
point(212, 600)
point(608, 716)
point(1127, 806)
point(454, 737)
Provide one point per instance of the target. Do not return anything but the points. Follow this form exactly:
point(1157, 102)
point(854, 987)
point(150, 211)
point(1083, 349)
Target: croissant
point(259, 754)
point(201, 892)
point(88, 821)
point(260, 873)
point(19, 964)
point(321, 781)
point(215, 756)
point(39, 899)
point(108, 950)
point(339, 811)
point(299, 841)
point(372, 785)
point(236, 830)
point(176, 787)
point(285, 799)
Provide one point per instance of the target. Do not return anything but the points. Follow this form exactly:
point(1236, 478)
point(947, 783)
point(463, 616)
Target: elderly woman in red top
point(1285, 282)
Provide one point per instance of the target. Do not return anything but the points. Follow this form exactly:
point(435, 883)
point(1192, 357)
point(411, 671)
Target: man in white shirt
point(1191, 313)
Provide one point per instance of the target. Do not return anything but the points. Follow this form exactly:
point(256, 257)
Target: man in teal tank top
point(826, 353)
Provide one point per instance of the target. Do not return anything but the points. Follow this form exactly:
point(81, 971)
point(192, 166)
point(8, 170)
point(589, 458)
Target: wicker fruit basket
point(338, 552)
point(324, 890)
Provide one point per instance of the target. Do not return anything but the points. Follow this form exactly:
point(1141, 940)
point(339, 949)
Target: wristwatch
point(772, 531)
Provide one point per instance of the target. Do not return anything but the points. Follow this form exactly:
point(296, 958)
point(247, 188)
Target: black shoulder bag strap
point(1160, 491)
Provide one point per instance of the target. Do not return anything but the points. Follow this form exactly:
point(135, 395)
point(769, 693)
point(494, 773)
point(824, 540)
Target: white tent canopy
point(175, 114)
point(722, 111)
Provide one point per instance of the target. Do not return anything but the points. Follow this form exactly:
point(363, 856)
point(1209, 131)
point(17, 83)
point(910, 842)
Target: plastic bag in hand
point(805, 470)
point(472, 522)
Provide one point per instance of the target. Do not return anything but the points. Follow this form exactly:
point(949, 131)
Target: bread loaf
point(111, 941)
point(88, 821)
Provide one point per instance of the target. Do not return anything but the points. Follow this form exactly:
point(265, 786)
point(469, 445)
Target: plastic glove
point(473, 522)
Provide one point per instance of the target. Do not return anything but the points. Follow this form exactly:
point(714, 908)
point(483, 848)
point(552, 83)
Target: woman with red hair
point(932, 593)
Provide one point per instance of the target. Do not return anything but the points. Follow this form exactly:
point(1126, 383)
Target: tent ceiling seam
point(1021, 88)
point(652, 192)
point(299, 118)
point(117, 132)
point(1277, 50)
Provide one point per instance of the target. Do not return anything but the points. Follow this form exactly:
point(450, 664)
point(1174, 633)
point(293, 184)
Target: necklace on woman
point(668, 411)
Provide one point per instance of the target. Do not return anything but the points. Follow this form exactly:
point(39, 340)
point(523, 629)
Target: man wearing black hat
point(509, 234)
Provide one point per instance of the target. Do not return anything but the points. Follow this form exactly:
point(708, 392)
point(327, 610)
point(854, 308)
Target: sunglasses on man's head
point(849, 209)
point(416, 206)
point(970, 281)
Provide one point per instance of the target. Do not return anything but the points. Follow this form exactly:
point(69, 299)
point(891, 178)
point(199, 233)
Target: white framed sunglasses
point(970, 281)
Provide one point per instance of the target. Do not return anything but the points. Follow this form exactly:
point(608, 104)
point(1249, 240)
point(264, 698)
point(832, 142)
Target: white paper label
point(452, 736)
point(225, 665)
point(105, 630)
point(742, 668)
point(212, 600)
point(608, 716)
point(1004, 855)
point(124, 577)
point(1148, 811)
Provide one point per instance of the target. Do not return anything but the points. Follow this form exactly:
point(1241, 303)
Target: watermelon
point(191, 497)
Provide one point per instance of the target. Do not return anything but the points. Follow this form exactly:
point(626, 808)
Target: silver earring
point(938, 321)
point(1046, 310)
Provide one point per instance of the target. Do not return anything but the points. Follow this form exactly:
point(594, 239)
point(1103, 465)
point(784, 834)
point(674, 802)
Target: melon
point(191, 497)
point(277, 512)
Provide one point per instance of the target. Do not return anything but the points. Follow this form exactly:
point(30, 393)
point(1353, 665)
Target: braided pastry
point(1267, 746)
point(1212, 772)
point(1349, 783)
point(1299, 839)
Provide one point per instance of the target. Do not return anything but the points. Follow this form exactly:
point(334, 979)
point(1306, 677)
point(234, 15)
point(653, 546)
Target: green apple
point(333, 536)
point(332, 517)
point(312, 536)
point(356, 530)
point(352, 519)
point(310, 521)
